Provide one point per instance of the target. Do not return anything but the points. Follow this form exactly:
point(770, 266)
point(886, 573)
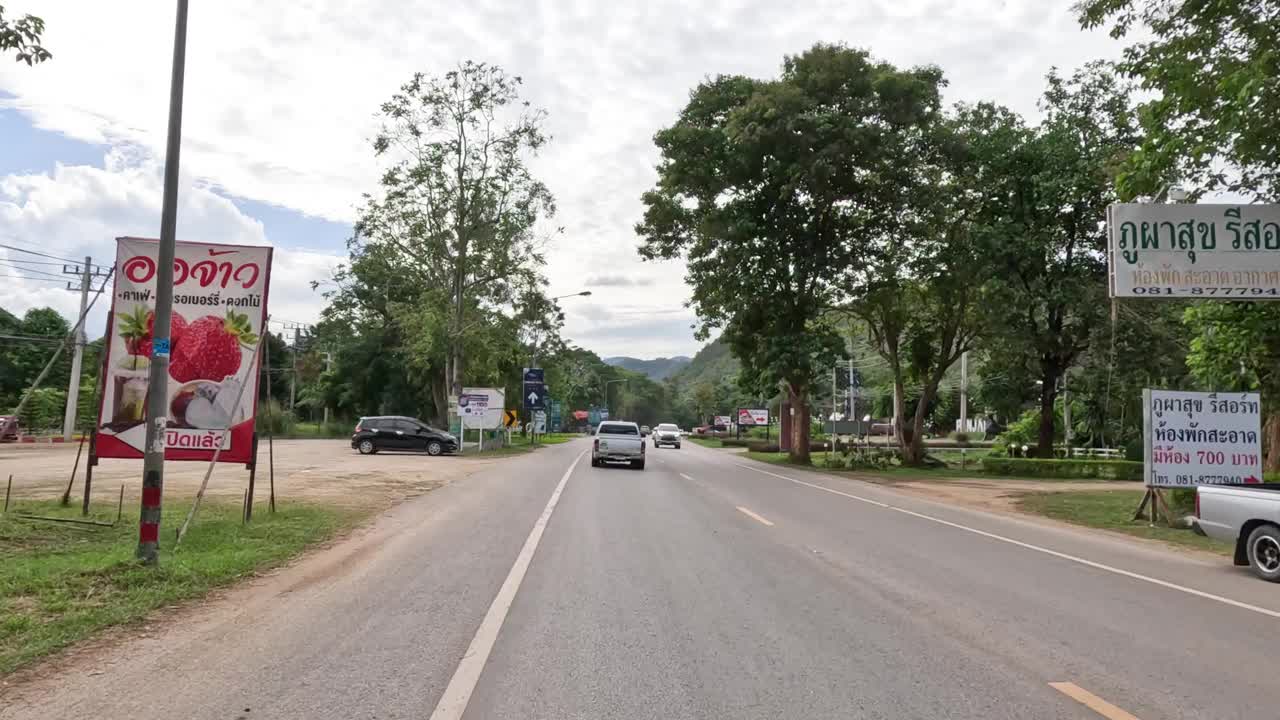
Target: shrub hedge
point(1038, 467)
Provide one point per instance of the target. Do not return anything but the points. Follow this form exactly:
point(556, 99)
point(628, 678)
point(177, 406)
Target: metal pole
point(964, 391)
point(73, 383)
point(158, 382)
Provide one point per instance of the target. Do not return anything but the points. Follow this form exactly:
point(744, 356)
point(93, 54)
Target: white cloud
point(281, 97)
point(77, 211)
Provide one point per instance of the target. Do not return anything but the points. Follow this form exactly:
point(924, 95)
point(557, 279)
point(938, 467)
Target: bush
point(736, 442)
point(961, 438)
point(763, 446)
point(275, 418)
point(1070, 469)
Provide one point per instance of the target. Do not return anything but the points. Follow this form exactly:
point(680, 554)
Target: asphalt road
point(705, 586)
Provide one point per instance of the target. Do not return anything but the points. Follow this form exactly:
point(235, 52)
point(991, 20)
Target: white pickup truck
point(618, 442)
point(1249, 517)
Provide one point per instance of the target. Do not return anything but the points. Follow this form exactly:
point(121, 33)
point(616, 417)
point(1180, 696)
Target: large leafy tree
point(1212, 66)
point(1051, 270)
point(769, 189)
point(458, 207)
point(921, 293)
point(23, 35)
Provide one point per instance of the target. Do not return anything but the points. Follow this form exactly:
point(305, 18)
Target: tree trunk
point(1271, 463)
point(799, 424)
point(1048, 396)
point(440, 398)
point(899, 415)
point(913, 451)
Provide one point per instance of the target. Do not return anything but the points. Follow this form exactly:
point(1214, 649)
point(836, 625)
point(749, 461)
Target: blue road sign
point(534, 391)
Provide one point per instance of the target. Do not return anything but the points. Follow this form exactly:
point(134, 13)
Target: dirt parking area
point(1001, 495)
point(326, 471)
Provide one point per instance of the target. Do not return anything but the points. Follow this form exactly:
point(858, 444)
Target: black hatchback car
point(404, 434)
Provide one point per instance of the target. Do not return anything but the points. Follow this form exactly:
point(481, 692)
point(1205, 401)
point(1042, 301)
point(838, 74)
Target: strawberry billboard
point(219, 314)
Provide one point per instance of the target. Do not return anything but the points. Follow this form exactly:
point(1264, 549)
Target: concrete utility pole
point(964, 391)
point(73, 383)
point(158, 381)
point(1066, 413)
point(328, 368)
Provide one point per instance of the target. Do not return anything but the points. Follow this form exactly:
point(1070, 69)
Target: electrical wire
point(37, 272)
point(36, 262)
point(39, 254)
point(36, 279)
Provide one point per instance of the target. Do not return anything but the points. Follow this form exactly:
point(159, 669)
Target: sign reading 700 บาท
point(1194, 251)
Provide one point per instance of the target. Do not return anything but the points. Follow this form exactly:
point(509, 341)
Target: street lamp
point(584, 293)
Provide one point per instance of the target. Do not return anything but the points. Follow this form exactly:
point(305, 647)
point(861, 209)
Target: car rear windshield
point(667, 427)
point(619, 430)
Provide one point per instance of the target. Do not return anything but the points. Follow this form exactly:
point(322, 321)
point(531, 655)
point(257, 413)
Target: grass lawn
point(705, 441)
point(61, 583)
point(1112, 510)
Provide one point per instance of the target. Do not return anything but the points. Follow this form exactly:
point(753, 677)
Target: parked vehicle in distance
point(397, 432)
point(9, 429)
point(1249, 517)
point(618, 442)
point(644, 431)
point(666, 434)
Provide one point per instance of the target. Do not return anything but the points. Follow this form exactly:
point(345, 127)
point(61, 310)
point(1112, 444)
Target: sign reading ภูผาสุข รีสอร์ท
point(1198, 251)
point(1200, 438)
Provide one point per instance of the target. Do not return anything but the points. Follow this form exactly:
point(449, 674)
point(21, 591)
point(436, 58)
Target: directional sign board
point(556, 413)
point(1198, 438)
point(534, 391)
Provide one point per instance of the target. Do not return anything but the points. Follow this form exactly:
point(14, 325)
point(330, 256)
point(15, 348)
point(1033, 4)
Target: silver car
point(1246, 516)
point(666, 434)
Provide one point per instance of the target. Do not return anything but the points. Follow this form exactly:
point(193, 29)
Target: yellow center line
point(1091, 701)
point(754, 516)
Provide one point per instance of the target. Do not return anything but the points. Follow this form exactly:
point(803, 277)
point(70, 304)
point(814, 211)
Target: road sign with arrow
point(534, 391)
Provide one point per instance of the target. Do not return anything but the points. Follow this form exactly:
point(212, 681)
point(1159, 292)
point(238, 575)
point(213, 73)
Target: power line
point(39, 254)
point(36, 262)
point(32, 270)
point(36, 279)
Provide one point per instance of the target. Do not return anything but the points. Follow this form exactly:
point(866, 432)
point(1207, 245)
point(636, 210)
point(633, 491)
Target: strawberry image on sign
point(210, 348)
point(137, 328)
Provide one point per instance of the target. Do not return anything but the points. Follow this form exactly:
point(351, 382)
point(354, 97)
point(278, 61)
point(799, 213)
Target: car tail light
point(1197, 503)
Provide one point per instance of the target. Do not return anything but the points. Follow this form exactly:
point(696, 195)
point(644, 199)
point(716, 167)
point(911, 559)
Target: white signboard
point(1196, 438)
point(219, 316)
point(1194, 251)
point(540, 422)
point(481, 408)
point(752, 416)
point(722, 420)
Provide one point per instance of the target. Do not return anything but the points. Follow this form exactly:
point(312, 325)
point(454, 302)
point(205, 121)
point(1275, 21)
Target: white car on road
point(666, 434)
point(618, 442)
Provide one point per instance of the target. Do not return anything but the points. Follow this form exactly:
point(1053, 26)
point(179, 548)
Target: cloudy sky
point(281, 101)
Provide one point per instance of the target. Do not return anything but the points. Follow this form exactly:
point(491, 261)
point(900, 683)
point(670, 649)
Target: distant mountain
point(657, 369)
point(713, 364)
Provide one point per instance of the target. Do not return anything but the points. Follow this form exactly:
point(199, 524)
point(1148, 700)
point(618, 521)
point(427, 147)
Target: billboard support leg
point(1142, 506)
point(253, 472)
point(88, 472)
point(66, 494)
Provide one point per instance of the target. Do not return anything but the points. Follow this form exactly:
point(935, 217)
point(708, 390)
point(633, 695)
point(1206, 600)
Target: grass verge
point(61, 583)
point(705, 441)
point(1112, 510)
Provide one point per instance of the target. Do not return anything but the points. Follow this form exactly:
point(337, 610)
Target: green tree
point(458, 205)
point(768, 188)
point(1051, 274)
point(921, 294)
point(1235, 346)
point(23, 35)
point(1212, 66)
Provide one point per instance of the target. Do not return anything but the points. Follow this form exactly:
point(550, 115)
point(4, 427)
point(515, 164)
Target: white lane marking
point(453, 703)
point(1091, 701)
point(1037, 548)
point(753, 516)
point(686, 477)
